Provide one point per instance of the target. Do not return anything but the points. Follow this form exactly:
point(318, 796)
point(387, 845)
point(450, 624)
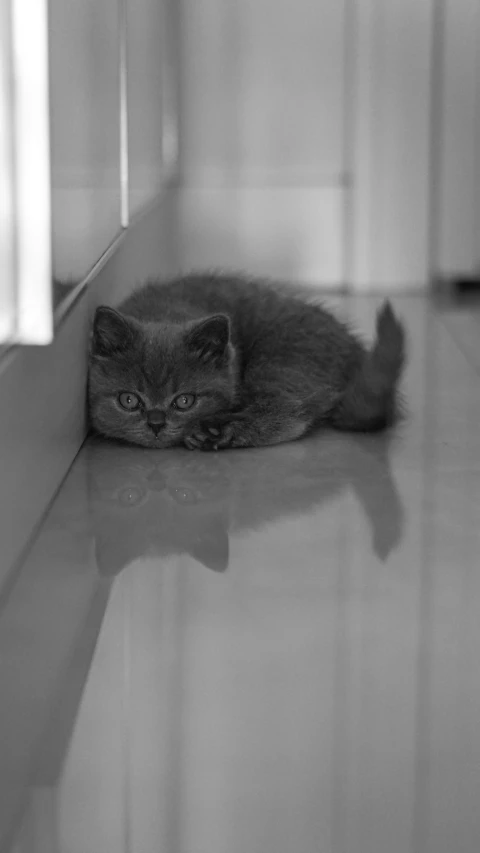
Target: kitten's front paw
point(210, 436)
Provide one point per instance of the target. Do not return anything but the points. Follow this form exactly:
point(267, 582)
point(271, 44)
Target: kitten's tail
point(370, 401)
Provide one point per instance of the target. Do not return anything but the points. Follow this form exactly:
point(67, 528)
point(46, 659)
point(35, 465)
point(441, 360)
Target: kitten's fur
point(265, 365)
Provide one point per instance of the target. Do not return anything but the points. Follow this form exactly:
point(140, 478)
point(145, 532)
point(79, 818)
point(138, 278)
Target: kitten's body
point(262, 363)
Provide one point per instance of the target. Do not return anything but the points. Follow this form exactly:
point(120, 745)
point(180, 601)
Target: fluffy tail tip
point(371, 401)
point(388, 353)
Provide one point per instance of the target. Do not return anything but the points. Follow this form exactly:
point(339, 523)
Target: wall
point(305, 139)
point(390, 144)
point(262, 136)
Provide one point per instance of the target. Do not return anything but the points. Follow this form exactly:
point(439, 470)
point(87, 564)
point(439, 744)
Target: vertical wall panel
point(391, 95)
point(146, 73)
point(84, 97)
point(262, 137)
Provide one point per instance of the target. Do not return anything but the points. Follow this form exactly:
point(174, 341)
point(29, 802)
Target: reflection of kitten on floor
point(157, 504)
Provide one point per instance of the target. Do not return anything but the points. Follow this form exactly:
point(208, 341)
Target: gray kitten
point(213, 361)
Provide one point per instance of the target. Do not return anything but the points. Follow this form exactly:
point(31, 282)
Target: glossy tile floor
point(268, 651)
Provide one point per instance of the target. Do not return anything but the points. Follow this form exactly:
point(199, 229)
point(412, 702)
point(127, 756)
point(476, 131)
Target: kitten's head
point(149, 381)
point(155, 505)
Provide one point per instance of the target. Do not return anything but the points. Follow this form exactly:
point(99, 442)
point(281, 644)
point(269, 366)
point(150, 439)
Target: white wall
point(262, 136)
point(263, 92)
point(85, 144)
point(390, 144)
point(305, 138)
point(308, 135)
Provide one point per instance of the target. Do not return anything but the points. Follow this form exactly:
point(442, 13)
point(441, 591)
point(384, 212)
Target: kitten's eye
point(184, 402)
point(130, 496)
point(129, 401)
point(184, 496)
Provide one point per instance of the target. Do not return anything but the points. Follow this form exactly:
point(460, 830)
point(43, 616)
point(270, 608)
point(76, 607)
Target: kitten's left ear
point(209, 338)
point(112, 332)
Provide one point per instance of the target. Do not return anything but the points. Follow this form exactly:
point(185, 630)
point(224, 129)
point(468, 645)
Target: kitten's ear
point(112, 332)
point(112, 552)
point(211, 547)
point(209, 338)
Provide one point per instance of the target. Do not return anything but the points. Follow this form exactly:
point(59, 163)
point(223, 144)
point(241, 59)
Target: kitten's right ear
point(209, 338)
point(112, 332)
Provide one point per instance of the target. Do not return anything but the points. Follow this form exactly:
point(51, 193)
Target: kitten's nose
point(156, 420)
